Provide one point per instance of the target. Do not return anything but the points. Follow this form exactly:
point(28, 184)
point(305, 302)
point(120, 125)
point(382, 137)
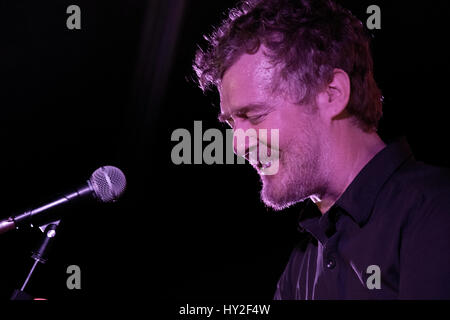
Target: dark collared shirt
point(387, 237)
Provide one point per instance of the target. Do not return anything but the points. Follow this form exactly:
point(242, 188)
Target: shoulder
point(418, 179)
point(424, 191)
point(429, 176)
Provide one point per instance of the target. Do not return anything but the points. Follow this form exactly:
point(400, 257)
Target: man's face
point(247, 102)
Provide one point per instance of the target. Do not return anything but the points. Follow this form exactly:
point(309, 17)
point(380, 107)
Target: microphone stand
point(39, 256)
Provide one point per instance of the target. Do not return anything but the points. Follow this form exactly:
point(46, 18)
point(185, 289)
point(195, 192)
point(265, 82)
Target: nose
point(245, 141)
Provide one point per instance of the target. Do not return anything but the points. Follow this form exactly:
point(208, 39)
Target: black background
point(113, 92)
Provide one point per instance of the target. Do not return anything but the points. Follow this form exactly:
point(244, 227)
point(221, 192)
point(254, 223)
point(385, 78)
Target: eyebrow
point(224, 117)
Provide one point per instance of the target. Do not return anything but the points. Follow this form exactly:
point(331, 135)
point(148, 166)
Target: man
point(376, 223)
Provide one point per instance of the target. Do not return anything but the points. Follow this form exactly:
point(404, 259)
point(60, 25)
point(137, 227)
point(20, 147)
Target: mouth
point(263, 168)
point(263, 165)
point(252, 157)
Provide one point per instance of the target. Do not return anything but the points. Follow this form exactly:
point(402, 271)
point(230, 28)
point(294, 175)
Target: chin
point(277, 195)
point(273, 195)
point(275, 203)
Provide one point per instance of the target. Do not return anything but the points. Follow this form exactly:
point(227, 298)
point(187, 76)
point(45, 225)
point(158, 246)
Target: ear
point(333, 100)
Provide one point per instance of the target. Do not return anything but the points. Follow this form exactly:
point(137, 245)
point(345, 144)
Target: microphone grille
point(108, 183)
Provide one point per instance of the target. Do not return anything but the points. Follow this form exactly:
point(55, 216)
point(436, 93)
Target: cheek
point(289, 136)
point(297, 139)
point(294, 127)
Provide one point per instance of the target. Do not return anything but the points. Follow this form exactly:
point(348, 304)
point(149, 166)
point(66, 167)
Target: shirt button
point(331, 263)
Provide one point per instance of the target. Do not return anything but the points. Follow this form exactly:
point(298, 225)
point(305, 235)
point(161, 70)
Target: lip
point(263, 165)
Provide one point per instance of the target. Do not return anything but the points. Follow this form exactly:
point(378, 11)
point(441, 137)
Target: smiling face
point(248, 102)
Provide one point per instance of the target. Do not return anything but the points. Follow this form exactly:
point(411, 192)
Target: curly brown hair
point(306, 41)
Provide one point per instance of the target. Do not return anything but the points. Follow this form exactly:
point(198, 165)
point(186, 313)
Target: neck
point(349, 154)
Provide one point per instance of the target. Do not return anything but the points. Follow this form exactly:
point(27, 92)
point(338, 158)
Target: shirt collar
point(359, 198)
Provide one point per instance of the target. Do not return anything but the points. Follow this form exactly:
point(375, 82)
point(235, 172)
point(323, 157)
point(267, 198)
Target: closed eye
point(257, 119)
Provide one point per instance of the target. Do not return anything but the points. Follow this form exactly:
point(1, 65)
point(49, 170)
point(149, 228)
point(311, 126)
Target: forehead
point(246, 82)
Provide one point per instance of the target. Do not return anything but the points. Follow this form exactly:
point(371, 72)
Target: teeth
point(262, 165)
point(266, 165)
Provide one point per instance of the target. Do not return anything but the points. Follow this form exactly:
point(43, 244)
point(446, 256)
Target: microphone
point(106, 184)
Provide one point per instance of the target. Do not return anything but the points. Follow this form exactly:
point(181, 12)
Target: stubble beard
point(298, 177)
